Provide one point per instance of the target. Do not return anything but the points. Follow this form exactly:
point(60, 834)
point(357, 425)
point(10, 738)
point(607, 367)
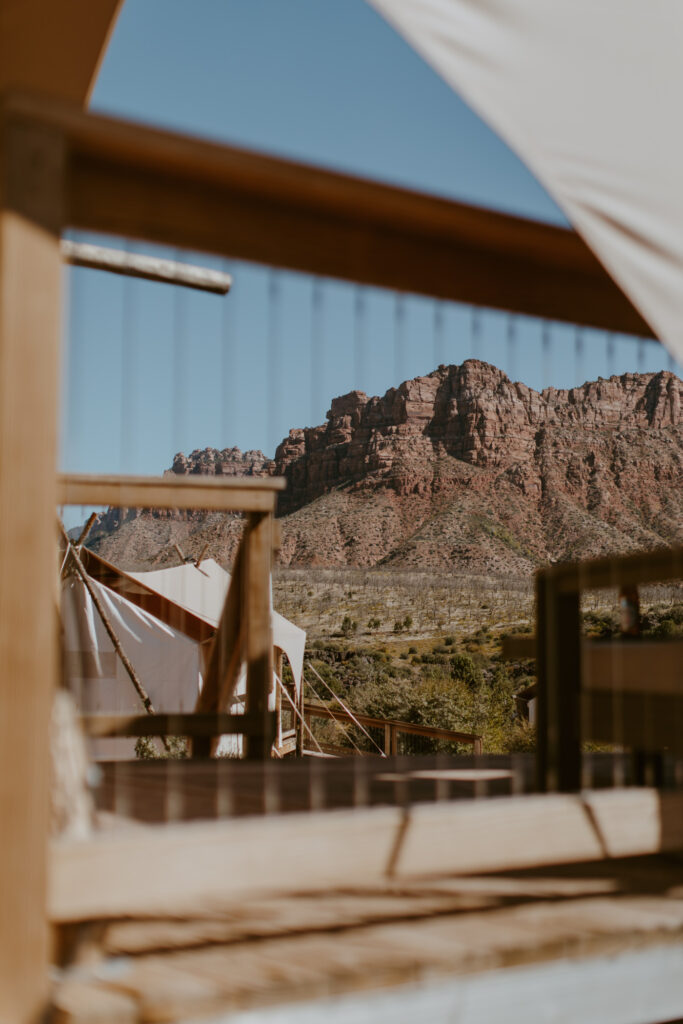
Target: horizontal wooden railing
point(391, 728)
point(138, 182)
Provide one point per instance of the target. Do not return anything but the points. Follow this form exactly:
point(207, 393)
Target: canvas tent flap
point(588, 96)
point(166, 661)
point(202, 589)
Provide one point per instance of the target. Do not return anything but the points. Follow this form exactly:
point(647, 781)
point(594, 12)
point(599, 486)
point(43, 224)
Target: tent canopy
point(588, 96)
point(201, 590)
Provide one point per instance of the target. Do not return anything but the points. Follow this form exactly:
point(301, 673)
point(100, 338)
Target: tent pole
point(125, 661)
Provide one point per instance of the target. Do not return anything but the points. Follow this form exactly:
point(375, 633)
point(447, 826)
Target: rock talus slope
point(458, 469)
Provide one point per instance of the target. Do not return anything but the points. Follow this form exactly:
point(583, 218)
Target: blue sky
point(152, 370)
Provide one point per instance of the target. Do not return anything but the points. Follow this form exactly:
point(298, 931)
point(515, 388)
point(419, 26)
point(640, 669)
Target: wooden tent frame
point(61, 168)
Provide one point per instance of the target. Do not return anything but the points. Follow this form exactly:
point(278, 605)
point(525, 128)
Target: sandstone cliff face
point(465, 468)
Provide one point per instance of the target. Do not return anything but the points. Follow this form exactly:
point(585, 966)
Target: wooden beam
point(518, 648)
point(149, 268)
point(171, 869)
point(653, 666)
point(225, 494)
point(172, 724)
point(657, 566)
point(638, 666)
point(226, 656)
point(31, 166)
point(54, 49)
point(141, 183)
point(258, 640)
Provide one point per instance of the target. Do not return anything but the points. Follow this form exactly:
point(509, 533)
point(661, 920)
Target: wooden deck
point(381, 951)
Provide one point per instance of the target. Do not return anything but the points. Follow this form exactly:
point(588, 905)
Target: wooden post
point(278, 697)
point(558, 665)
point(387, 740)
point(258, 638)
point(393, 740)
point(31, 183)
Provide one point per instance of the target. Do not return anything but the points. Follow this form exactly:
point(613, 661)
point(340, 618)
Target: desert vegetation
point(426, 647)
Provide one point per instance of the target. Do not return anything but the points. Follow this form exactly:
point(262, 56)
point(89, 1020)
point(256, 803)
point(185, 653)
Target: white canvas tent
point(587, 93)
point(202, 589)
point(168, 662)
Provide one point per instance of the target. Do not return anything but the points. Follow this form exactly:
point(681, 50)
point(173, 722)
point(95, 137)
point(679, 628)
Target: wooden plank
point(258, 640)
point(642, 666)
point(656, 566)
point(642, 721)
point(178, 724)
point(518, 648)
point(138, 182)
point(558, 665)
point(226, 655)
point(54, 50)
point(149, 268)
point(31, 166)
point(652, 665)
point(171, 869)
point(225, 494)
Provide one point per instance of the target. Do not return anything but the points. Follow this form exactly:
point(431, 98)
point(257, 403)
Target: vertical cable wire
point(546, 354)
point(579, 368)
point(317, 360)
point(476, 333)
point(399, 339)
point(610, 353)
point(274, 368)
point(640, 355)
point(511, 346)
point(128, 375)
point(228, 366)
point(179, 382)
point(440, 358)
point(359, 338)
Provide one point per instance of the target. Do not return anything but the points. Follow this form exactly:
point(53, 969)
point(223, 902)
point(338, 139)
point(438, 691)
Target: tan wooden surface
point(637, 666)
point(656, 566)
point(233, 494)
point(54, 49)
point(142, 183)
point(267, 952)
point(258, 640)
point(178, 724)
point(200, 865)
point(30, 318)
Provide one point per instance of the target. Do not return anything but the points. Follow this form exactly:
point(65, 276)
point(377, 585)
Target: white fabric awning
point(201, 590)
point(587, 92)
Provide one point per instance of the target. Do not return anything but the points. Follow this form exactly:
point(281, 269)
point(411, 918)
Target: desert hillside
point(462, 469)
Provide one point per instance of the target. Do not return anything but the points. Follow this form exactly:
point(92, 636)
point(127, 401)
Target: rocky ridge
point(461, 468)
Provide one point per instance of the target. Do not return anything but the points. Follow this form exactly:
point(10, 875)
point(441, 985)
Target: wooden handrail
point(177, 724)
point(224, 494)
point(316, 710)
point(130, 180)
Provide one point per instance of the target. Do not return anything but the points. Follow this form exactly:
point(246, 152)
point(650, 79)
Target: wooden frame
point(62, 168)
point(567, 682)
point(392, 727)
point(256, 497)
point(140, 872)
point(32, 161)
point(157, 186)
